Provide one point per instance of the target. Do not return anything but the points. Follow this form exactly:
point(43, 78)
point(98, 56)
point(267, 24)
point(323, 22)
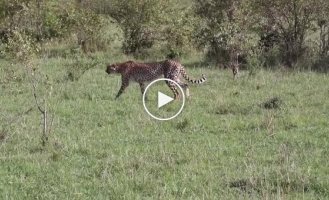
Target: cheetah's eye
point(114, 67)
point(111, 69)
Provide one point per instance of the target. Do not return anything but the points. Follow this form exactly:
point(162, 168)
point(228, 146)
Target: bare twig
point(51, 124)
point(42, 111)
point(35, 97)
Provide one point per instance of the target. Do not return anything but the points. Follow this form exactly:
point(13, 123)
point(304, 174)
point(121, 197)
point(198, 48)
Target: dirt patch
point(3, 136)
point(244, 185)
point(272, 103)
point(271, 185)
point(182, 124)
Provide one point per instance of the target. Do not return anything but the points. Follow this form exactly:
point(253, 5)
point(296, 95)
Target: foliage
point(46, 20)
point(257, 33)
point(140, 21)
point(180, 31)
point(291, 20)
point(323, 24)
point(21, 47)
point(225, 29)
point(88, 26)
point(150, 23)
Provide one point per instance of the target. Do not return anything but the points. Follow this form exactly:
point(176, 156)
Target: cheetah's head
point(113, 68)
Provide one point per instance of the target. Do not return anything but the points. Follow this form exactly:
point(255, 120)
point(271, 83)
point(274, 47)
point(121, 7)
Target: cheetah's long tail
point(199, 81)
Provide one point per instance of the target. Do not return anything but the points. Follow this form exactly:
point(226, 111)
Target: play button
point(160, 103)
point(163, 99)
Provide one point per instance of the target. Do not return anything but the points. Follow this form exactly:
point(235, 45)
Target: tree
point(291, 19)
point(225, 29)
point(140, 20)
point(179, 32)
point(323, 23)
point(145, 24)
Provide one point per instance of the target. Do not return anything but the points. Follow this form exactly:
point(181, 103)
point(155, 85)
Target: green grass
point(224, 145)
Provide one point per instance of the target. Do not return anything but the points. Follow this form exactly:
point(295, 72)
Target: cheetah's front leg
point(142, 86)
point(124, 85)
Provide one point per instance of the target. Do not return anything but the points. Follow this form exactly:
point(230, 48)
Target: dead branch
point(35, 97)
point(43, 111)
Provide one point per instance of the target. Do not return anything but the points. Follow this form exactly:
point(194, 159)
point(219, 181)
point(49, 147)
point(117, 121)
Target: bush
point(42, 21)
point(322, 64)
point(140, 22)
point(272, 57)
point(255, 61)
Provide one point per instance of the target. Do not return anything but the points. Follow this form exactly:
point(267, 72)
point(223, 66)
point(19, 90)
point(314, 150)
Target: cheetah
point(145, 72)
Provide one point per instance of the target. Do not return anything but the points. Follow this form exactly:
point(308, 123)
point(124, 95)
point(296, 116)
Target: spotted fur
point(145, 72)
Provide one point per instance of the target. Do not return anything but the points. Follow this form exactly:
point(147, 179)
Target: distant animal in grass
point(234, 63)
point(235, 69)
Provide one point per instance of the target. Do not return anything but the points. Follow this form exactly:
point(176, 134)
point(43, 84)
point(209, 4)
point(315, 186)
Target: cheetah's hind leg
point(185, 88)
point(173, 88)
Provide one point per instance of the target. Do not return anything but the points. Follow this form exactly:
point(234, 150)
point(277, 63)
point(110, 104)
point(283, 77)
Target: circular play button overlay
point(159, 102)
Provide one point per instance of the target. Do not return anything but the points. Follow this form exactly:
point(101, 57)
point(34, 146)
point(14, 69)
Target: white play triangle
point(163, 99)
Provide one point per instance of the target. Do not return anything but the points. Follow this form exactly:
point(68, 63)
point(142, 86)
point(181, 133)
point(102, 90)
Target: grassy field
point(226, 144)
